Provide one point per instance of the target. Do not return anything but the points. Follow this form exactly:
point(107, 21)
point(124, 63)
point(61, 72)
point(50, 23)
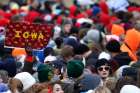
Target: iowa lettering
point(29, 35)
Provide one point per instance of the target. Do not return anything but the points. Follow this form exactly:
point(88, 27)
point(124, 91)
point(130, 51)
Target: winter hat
point(84, 20)
point(104, 55)
point(57, 64)
point(96, 10)
point(112, 37)
point(18, 52)
point(120, 70)
point(50, 58)
point(131, 72)
point(90, 81)
point(129, 89)
point(81, 49)
point(136, 65)
point(44, 72)
point(3, 87)
point(93, 35)
point(26, 79)
point(74, 30)
point(113, 46)
point(117, 30)
point(104, 19)
point(132, 43)
point(72, 42)
point(75, 68)
point(101, 62)
point(104, 7)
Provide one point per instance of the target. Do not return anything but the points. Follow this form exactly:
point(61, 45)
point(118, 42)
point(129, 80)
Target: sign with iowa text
point(21, 34)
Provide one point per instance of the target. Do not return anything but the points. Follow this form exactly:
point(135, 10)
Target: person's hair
point(67, 51)
point(113, 46)
point(124, 81)
point(59, 42)
point(4, 76)
point(102, 89)
point(48, 51)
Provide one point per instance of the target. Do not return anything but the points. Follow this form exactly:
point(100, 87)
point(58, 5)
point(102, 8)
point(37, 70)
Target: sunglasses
point(107, 68)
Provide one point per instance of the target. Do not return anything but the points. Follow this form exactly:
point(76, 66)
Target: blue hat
point(3, 87)
point(96, 10)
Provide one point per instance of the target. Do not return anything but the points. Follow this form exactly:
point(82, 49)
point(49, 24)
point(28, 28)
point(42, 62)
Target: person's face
point(57, 89)
point(103, 71)
point(67, 28)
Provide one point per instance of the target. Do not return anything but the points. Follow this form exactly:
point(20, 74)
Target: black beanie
point(101, 62)
point(81, 49)
point(113, 46)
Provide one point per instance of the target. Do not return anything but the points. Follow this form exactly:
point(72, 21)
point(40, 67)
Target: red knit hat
point(104, 7)
point(4, 21)
point(31, 16)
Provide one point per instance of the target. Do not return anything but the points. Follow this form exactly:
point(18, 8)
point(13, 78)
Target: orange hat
point(18, 51)
point(117, 30)
point(132, 43)
point(132, 39)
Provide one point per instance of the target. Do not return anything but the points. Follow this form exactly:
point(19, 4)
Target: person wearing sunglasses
point(103, 68)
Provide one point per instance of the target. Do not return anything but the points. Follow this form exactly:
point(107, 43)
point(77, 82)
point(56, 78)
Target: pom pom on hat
point(26, 79)
point(75, 68)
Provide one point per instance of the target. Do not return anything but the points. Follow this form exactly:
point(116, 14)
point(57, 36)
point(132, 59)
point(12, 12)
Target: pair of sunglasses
point(107, 68)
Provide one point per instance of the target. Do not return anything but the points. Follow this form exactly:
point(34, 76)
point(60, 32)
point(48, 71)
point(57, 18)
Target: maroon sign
point(21, 34)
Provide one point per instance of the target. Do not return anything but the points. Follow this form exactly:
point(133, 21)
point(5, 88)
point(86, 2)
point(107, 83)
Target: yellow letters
point(40, 36)
point(34, 35)
point(26, 35)
point(17, 34)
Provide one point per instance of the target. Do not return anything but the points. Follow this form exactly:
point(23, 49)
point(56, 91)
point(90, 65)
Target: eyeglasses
point(105, 68)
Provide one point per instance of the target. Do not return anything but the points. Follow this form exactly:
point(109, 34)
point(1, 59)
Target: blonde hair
point(102, 89)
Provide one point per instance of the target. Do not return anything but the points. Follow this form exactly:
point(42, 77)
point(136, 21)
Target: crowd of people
point(94, 47)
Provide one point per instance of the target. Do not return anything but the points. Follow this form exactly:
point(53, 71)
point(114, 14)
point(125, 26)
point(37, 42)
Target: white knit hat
point(104, 55)
point(120, 70)
point(50, 58)
point(26, 79)
point(130, 89)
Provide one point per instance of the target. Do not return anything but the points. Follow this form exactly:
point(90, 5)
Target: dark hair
point(113, 46)
point(59, 42)
point(48, 51)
